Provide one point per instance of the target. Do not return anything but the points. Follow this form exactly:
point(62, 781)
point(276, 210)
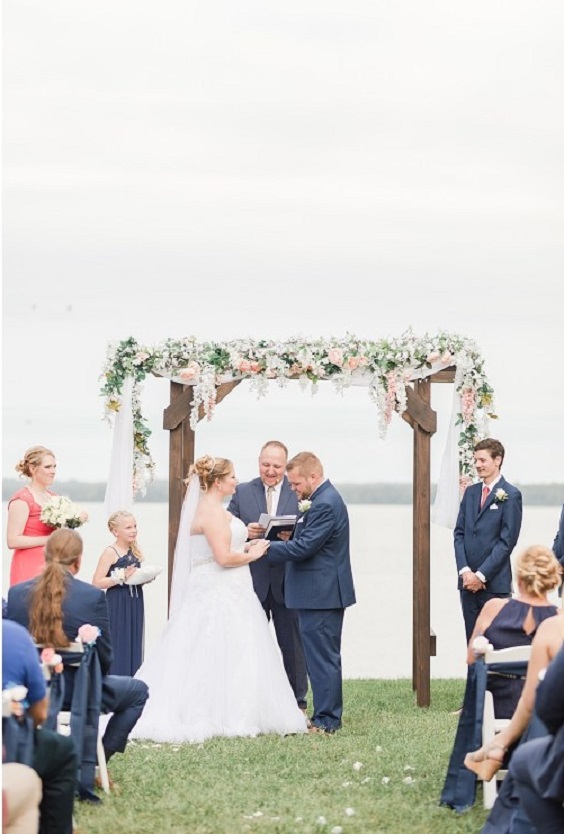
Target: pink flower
point(244, 366)
point(254, 367)
point(47, 655)
point(353, 362)
point(362, 360)
point(189, 373)
point(88, 634)
point(335, 356)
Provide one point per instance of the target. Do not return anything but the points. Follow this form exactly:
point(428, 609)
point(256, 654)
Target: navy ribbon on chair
point(18, 739)
point(459, 790)
point(85, 715)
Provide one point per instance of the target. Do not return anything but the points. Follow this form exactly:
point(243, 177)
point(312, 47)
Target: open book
point(275, 524)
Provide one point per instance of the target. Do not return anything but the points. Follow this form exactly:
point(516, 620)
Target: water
point(377, 630)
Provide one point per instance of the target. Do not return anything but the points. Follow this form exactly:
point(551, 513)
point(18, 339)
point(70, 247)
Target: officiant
point(270, 493)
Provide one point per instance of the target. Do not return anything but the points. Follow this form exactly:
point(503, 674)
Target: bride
point(215, 669)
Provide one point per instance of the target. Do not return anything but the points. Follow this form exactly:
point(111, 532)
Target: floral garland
point(388, 364)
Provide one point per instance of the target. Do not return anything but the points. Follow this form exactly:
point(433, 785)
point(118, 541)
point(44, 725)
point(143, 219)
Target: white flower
point(481, 645)
point(337, 829)
point(501, 495)
point(321, 821)
point(408, 781)
point(118, 574)
point(385, 780)
point(347, 784)
point(350, 812)
point(62, 512)
point(357, 766)
point(378, 749)
point(304, 506)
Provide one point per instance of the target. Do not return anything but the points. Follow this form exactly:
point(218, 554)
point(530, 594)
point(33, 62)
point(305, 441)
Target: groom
point(319, 582)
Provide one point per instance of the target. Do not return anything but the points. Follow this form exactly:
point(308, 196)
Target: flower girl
point(117, 564)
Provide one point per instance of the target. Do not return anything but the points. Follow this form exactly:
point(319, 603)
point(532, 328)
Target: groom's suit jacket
point(318, 569)
point(247, 503)
point(484, 538)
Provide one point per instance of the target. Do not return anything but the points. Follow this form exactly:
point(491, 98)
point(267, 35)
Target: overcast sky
point(241, 168)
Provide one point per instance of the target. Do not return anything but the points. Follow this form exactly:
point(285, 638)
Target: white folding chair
point(64, 716)
point(492, 725)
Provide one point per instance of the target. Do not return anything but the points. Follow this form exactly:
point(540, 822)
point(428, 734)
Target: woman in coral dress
point(27, 534)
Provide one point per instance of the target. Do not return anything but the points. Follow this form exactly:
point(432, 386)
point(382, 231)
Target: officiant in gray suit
point(271, 493)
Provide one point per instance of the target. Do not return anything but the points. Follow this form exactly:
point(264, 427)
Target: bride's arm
point(217, 530)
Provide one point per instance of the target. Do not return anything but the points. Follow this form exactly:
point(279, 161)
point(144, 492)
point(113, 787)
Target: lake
point(377, 630)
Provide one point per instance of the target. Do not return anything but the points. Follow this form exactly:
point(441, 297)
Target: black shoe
point(84, 795)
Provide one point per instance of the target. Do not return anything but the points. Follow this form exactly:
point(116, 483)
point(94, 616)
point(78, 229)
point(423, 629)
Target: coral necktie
point(485, 493)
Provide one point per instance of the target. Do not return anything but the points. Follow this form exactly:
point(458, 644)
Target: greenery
point(274, 785)
point(386, 365)
point(547, 495)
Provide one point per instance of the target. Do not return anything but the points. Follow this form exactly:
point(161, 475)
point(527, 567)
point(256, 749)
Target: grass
point(274, 785)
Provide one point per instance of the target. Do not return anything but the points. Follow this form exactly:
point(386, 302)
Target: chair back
point(512, 661)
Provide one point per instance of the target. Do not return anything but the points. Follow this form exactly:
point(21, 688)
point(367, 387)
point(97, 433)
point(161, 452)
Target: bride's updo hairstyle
point(32, 458)
point(63, 549)
point(538, 570)
point(209, 469)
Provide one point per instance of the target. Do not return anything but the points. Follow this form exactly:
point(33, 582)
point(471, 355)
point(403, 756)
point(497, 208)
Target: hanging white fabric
point(119, 489)
point(447, 499)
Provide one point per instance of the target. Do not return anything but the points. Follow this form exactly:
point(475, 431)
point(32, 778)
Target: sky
point(238, 168)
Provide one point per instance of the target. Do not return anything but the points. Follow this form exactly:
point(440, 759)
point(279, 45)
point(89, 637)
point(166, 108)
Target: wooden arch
point(423, 421)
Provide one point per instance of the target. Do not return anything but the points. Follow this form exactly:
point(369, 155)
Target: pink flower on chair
point(88, 634)
point(51, 659)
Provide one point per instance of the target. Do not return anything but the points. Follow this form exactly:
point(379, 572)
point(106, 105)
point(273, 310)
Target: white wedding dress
point(216, 669)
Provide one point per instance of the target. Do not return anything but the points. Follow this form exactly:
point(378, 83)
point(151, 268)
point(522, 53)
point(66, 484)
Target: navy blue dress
point(127, 620)
point(508, 629)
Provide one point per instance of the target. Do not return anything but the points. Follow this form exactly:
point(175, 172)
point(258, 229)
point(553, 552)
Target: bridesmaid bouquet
point(62, 512)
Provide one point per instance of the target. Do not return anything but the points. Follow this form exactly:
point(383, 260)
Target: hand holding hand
point(258, 548)
point(471, 582)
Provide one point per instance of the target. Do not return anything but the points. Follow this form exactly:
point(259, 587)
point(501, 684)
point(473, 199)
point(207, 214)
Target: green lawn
point(383, 772)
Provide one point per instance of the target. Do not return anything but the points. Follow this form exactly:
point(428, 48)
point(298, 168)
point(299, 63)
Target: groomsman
point(558, 546)
point(271, 493)
point(486, 532)
point(319, 583)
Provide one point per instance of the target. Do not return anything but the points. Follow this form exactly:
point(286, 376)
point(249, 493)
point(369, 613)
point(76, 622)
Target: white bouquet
point(118, 575)
point(62, 512)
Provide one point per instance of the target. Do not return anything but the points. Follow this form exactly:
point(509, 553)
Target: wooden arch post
point(182, 447)
point(422, 419)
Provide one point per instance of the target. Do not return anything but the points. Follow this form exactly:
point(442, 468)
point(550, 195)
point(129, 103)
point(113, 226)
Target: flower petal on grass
point(347, 784)
point(357, 766)
point(321, 821)
point(385, 780)
point(337, 829)
point(365, 780)
point(408, 781)
point(350, 812)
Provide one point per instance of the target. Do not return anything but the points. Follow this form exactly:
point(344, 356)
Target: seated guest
point(53, 755)
point(513, 621)
point(538, 765)
point(21, 795)
point(503, 622)
point(525, 725)
point(54, 606)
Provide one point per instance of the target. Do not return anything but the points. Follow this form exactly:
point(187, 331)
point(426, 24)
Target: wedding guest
point(216, 669)
point(489, 758)
point(558, 546)
point(21, 796)
point(538, 765)
point(125, 602)
point(271, 493)
point(486, 532)
point(26, 533)
point(319, 583)
point(501, 623)
point(53, 757)
point(514, 621)
point(54, 606)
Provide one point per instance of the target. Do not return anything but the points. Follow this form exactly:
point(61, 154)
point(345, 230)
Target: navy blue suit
point(484, 540)
point(247, 503)
point(84, 604)
point(558, 545)
point(319, 585)
point(538, 765)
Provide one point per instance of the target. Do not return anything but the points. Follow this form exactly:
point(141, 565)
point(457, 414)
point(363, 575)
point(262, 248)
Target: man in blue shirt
point(54, 757)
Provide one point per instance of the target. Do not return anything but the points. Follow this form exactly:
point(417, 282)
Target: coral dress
point(28, 562)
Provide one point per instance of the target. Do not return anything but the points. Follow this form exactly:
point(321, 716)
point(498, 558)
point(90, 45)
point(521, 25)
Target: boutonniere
point(303, 506)
point(501, 495)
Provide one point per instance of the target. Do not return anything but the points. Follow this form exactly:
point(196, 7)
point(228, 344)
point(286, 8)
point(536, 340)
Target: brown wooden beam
point(422, 644)
point(446, 375)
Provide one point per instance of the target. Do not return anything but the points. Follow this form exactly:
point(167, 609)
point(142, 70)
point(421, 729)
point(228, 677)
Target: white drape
point(447, 499)
point(119, 489)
